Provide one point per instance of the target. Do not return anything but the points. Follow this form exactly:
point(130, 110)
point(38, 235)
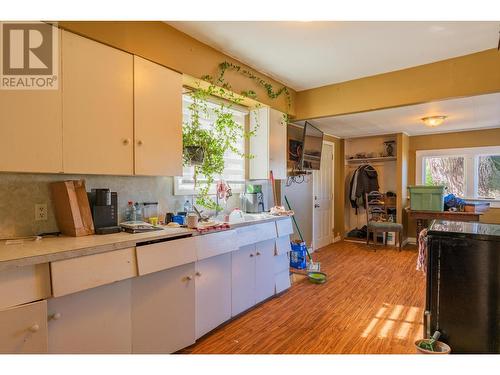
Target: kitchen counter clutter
point(154, 292)
point(63, 247)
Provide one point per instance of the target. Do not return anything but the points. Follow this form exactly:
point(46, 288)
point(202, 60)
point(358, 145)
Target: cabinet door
point(23, 329)
point(157, 119)
point(264, 270)
point(97, 107)
point(242, 279)
point(259, 145)
point(163, 310)
point(31, 131)
point(277, 144)
point(213, 293)
point(97, 320)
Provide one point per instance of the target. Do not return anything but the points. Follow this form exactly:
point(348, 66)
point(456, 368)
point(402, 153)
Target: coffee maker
point(252, 200)
point(104, 207)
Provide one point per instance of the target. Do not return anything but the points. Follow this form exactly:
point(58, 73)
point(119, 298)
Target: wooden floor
point(372, 303)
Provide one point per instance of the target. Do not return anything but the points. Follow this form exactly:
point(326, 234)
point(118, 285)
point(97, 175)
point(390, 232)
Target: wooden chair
point(378, 218)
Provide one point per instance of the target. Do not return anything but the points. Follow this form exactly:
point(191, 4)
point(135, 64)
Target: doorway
point(323, 198)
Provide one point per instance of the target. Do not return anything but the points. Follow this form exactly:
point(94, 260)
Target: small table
point(422, 217)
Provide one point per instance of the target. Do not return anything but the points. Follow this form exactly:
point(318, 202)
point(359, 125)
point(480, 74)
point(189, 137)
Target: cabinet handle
point(258, 252)
point(126, 142)
point(198, 273)
point(139, 142)
point(56, 316)
point(34, 328)
point(188, 278)
point(251, 255)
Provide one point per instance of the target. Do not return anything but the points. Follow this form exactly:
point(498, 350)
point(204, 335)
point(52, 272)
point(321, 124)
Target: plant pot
point(441, 348)
point(194, 155)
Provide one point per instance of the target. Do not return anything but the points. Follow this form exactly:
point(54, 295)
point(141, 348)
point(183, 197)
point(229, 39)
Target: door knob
point(251, 255)
point(56, 316)
point(198, 273)
point(188, 278)
point(258, 253)
point(126, 142)
point(34, 328)
point(139, 142)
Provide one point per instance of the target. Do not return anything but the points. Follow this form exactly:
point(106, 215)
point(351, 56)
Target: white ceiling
point(304, 55)
point(476, 112)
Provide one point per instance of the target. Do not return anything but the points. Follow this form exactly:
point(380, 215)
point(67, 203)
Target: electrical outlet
point(41, 212)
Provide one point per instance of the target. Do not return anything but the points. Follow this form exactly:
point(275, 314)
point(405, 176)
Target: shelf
point(379, 159)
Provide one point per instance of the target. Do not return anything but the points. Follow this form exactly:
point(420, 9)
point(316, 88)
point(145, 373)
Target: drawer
point(281, 263)
point(255, 233)
point(283, 245)
point(164, 255)
point(282, 281)
point(213, 244)
point(24, 284)
point(284, 227)
point(23, 329)
point(73, 275)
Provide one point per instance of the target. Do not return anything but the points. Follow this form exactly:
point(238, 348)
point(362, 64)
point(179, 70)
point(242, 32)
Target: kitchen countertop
point(458, 229)
point(51, 249)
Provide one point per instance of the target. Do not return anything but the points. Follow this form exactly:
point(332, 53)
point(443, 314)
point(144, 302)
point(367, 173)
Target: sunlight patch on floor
point(395, 321)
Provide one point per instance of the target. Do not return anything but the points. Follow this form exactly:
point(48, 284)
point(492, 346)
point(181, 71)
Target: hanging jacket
point(364, 180)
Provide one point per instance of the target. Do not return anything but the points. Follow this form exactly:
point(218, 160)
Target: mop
point(311, 266)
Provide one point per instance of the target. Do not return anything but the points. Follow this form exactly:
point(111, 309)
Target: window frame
point(471, 163)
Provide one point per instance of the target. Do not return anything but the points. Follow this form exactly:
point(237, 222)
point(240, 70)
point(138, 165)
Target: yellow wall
point(167, 46)
point(338, 185)
point(474, 74)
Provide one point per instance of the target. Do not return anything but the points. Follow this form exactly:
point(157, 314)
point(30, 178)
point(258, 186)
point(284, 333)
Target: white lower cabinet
point(252, 275)
point(213, 293)
point(264, 270)
point(242, 279)
point(23, 329)
point(96, 320)
point(163, 310)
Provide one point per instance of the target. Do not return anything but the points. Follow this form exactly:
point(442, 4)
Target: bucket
point(298, 255)
point(441, 348)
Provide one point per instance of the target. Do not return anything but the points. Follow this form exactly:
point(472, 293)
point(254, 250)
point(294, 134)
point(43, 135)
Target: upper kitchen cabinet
point(157, 119)
point(268, 145)
point(31, 130)
point(97, 97)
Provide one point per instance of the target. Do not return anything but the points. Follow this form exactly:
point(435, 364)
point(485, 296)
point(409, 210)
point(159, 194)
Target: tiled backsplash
point(20, 192)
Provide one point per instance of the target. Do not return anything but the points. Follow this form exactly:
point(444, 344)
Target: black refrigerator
point(463, 281)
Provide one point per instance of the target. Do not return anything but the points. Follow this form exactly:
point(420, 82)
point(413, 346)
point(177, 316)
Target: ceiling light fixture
point(433, 121)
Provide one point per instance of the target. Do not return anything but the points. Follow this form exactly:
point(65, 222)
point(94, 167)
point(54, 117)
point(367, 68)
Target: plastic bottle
point(136, 213)
point(187, 207)
point(129, 211)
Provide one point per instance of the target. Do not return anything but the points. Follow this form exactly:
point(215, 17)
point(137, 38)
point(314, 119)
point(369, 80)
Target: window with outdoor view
point(234, 172)
point(471, 173)
point(448, 171)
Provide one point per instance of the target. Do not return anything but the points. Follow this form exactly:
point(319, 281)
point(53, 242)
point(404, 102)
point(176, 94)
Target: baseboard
point(411, 241)
point(337, 239)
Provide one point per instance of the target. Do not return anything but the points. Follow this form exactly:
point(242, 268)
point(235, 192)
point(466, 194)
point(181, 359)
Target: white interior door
point(323, 199)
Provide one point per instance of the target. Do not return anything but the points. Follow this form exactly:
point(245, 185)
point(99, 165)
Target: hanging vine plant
point(211, 144)
point(204, 149)
point(272, 93)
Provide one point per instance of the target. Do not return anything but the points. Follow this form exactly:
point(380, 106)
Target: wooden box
point(72, 208)
point(476, 207)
